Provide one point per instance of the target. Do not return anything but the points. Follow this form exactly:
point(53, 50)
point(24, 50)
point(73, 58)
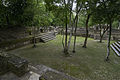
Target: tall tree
point(64, 4)
point(78, 9)
point(14, 12)
point(86, 37)
point(70, 22)
point(111, 10)
point(66, 27)
point(88, 10)
point(103, 30)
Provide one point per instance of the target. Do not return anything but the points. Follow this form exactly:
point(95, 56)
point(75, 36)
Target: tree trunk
point(44, 29)
point(34, 41)
point(71, 33)
point(87, 20)
point(7, 19)
point(65, 48)
point(108, 45)
point(101, 35)
point(63, 38)
point(76, 21)
point(66, 28)
point(70, 26)
point(75, 35)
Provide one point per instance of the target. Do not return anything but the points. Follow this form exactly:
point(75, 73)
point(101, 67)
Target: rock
point(13, 63)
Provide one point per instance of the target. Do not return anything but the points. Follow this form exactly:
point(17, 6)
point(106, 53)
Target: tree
point(86, 37)
point(116, 23)
point(100, 22)
point(41, 18)
point(111, 10)
point(70, 22)
point(82, 19)
point(63, 6)
point(89, 7)
point(104, 28)
point(66, 27)
point(78, 9)
point(16, 12)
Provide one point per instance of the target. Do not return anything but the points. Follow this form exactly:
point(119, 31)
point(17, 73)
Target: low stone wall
point(15, 64)
point(17, 45)
point(97, 37)
point(8, 45)
point(116, 38)
point(13, 33)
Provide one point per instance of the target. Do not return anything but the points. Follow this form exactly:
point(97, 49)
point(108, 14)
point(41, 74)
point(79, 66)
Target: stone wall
point(14, 37)
point(96, 33)
point(13, 33)
point(8, 45)
point(15, 64)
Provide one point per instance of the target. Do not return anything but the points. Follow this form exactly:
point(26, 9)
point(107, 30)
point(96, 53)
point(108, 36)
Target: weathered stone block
point(14, 63)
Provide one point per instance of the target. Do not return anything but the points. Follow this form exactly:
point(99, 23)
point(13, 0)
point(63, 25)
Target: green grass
point(85, 64)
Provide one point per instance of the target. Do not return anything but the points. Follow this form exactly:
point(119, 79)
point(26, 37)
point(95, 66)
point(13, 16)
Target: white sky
point(74, 6)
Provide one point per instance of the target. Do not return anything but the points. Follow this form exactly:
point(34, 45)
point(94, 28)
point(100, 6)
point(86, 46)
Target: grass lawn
point(85, 64)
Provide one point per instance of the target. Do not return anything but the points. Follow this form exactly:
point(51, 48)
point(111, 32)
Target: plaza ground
point(85, 64)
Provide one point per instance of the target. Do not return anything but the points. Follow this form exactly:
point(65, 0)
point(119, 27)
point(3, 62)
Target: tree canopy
point(51, 12)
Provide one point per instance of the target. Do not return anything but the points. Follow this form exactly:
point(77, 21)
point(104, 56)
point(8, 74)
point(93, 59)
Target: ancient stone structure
point(39, 72)
point(95, 33)
point(15, 64)
point(45, 37)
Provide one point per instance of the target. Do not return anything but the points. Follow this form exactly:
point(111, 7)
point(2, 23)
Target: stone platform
point(39, 72)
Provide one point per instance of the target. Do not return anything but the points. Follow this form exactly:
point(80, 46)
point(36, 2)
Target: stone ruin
point(95, 33)
point(12, 63)
point(115, 34)
point(15, 68)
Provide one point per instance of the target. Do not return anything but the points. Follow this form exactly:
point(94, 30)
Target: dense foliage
point(52, 12)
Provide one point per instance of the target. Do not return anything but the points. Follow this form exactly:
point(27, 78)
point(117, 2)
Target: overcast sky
point(74, 5)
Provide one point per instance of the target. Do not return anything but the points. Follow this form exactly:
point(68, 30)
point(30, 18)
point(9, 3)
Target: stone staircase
point(48, 36)
point(39, 72)
point(45, 37)
point(47, 73)
point(116, 48)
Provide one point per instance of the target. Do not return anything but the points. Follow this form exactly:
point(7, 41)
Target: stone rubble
point(39, 72)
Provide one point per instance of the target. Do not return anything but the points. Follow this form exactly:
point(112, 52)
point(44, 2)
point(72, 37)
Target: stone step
point(51, 74)
point(117, 44)
point(49, 39)
point(116, 48)
point(39, 72)
point(45, 34)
